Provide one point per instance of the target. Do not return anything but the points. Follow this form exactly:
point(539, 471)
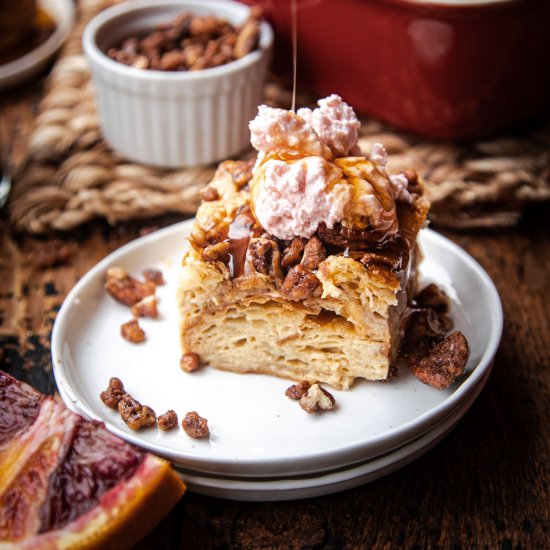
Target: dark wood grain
point(485, 486)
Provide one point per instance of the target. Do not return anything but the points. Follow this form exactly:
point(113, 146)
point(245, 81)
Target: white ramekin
point(173, 119)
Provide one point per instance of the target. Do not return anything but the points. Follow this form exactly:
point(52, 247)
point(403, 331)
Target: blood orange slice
point(66, 482)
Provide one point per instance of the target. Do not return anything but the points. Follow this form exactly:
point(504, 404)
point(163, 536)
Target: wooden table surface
point(487, 485)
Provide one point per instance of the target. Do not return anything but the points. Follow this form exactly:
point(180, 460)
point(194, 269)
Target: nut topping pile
point(190, 42)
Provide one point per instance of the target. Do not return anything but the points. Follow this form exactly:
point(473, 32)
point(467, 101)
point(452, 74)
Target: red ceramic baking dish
point(442, 68)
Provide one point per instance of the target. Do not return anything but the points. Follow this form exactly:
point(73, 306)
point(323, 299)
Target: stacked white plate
point(263, 446)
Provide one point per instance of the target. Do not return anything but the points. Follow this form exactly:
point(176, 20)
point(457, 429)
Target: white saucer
point(256, 430)
point(18, 70)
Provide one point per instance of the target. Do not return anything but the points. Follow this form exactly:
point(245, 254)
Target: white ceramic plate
point(18, 70)
point(256, 431)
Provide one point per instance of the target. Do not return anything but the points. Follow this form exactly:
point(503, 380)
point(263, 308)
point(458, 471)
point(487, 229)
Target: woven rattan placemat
point(71, 176)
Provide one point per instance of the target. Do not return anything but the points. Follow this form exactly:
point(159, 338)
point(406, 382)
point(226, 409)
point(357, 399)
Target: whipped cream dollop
point(399, 182)
point(309, 172)
point(294, 199)
point(335, 123)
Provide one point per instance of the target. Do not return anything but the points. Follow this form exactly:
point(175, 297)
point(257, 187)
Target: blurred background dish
point(173, 118)
point(448, 69)
point(30, 34)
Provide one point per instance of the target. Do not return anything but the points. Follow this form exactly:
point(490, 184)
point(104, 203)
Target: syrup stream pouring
point(294, 24)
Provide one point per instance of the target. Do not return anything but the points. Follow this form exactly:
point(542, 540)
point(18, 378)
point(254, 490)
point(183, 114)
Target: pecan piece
point(300, 284)
point(241, 172)
point(132, 332)
point(387, 259)
point(314, 254)
point(198, 237)
point(247, 39)
point(297, 391)
point(125, 288)
point(140, 62)
point(172, 60)
point(153, 276)
point(422, 324)
point(317, 399)
point(146, 308)
point(431, 296)
point(135, 414)
point(189, 362)
point(195, 426)
point(352, 239)
point(414, 185)
point(218, 252)
point(167, 421)
point(265, 257)
point(113, 394)
point(440, 361)
point(292, 254)
point(210, 194)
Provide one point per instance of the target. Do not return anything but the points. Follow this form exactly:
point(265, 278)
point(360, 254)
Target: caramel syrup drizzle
point(294, 28)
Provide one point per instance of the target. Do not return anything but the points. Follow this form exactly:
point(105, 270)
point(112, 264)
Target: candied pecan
point(292, 254)
point(352, 239)
point(440, 361)
point(146, 308)
point(140, 62)
point(189, 362)
point(135, 414)
point(317, 399)
point(125, 288)
point(421, 324)
point(192, 54)
point(314, 254)
point(167, 421)
point(154, 276)
point(218, 252)
point(297, 391)
point(207, 25)
point(265, 257)
point(198, 237)
point(172, 60)
point(241, 172)
point(210, 194)
point(214, 235)
point(132, 332)
point(154, 41)
point(414, 185)
point(247, 39)
point(113, 394)
point(300, 284)
point(392, 260)
point(195, 426)
point(431, 296)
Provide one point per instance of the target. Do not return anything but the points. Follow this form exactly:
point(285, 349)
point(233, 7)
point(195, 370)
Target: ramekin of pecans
point(177, 81)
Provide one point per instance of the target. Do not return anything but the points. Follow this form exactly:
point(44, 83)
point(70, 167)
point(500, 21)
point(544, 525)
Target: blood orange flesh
point(66, 482)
